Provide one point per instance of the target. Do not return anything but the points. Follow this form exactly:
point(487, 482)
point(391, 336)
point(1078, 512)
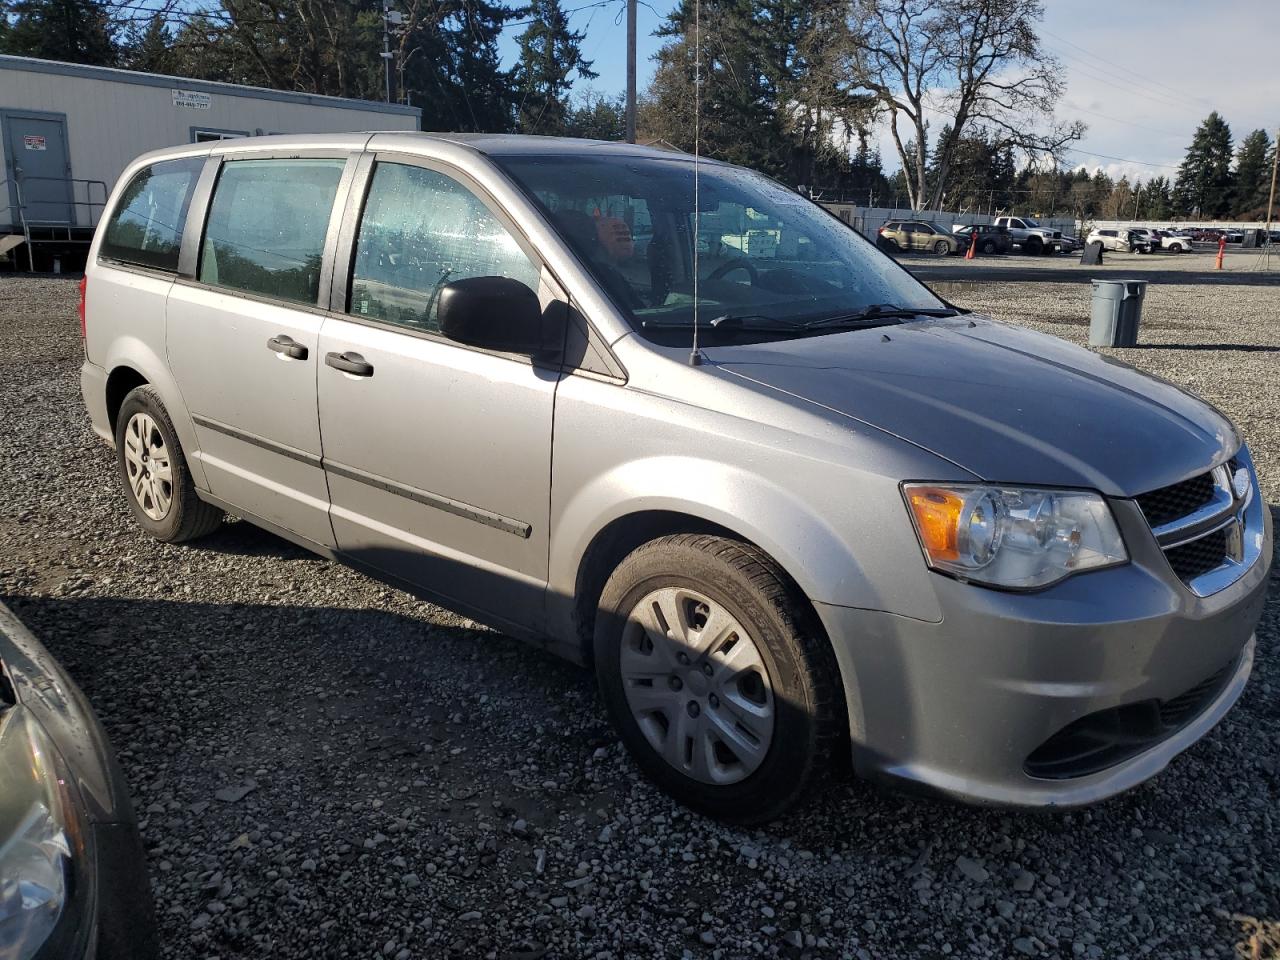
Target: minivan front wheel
point(715, 674)
point(153, 469)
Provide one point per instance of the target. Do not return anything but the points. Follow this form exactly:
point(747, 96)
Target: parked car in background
point(1150, 238)
point(73, 877)
point(1178, 242)
point(990, 238)
point(1071, 244)
point(920, 235)
point(1119, 241)
point(1029, 236)
point(1233, 235)
point(812, 513)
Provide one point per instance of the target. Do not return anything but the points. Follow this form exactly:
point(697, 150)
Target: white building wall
point(110, 122)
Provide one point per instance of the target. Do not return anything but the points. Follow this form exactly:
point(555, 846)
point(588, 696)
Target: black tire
point(810, 728)
point(188, 517)
point(1033, 246)
point(942, 248)
point(988, 247)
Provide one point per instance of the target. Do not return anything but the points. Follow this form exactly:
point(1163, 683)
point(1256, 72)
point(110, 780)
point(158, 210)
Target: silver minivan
point(680, 423)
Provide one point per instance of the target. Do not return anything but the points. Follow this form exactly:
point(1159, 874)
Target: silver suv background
point(840, 515)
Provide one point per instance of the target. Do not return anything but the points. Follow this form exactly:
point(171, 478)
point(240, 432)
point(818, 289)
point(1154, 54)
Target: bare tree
point(976, 65)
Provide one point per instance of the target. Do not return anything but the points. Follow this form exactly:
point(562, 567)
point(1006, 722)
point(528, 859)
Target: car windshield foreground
point(762, 250)
point(977, 560)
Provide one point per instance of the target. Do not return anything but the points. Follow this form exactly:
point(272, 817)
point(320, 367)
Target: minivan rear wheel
point(153, 470)
point(714, 671)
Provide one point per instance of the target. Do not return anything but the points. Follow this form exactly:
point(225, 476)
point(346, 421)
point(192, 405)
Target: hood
point(1004, 403)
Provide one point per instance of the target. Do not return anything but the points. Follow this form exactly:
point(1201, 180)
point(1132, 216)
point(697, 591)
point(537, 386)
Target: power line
point(1134, 89)
point(1131, 123)
point(1107, 156)
point(1146, 81)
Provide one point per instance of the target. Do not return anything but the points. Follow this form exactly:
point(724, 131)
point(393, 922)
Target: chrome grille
point(1199, 556)
point(1201, 525)
point(1176, 501)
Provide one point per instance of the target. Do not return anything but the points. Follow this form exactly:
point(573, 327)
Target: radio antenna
point(695, 358)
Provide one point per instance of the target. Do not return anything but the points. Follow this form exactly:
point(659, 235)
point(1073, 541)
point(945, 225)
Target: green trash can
point(1116, 313)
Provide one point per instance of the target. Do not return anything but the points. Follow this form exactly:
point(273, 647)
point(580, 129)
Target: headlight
point(40, 841)
point(1013, 537)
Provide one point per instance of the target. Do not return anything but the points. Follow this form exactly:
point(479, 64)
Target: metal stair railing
point(52, 227)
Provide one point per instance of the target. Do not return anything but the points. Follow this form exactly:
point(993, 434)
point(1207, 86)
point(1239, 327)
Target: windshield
point(1028, 222)
point(767, 257)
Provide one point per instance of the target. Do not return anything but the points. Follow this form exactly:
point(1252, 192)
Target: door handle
point(288, 347)
point(350, 362)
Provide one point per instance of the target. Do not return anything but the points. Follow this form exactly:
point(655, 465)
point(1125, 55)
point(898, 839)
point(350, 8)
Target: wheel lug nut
point(675, 683)
point(694, 709)
point(713, 700)
point(682, 658)
point(708, 669)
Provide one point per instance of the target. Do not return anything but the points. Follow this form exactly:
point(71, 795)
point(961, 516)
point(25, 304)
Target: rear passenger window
point(146, 226)
point(420, 231)
point(267, 224)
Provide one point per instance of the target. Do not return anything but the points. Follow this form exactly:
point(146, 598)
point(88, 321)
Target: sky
point(1142, 76)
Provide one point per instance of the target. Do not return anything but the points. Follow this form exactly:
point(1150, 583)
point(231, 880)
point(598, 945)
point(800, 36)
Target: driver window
point(420, 231)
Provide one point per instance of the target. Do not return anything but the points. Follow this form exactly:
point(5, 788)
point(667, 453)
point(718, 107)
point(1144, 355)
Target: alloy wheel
point(147, 464)
point(697, 686)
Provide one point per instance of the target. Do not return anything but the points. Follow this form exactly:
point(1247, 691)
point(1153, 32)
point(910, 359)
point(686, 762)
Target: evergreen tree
point(549, 53)
point(736, 95)
point(598, 117)
point(774, 95)
point(1205, 182)
point(1253, 174)
point(76, 31)
point(150, 49)
point(1157, 199)
point(478, 92)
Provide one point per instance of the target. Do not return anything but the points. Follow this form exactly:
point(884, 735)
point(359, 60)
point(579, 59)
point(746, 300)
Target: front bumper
point(957, 707)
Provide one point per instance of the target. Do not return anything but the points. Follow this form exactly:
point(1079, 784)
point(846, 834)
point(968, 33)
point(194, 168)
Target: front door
point(39, 170)
point(244, 338)
point(438, 455)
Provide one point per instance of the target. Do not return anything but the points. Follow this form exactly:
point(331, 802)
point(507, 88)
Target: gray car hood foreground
point(1004, 403)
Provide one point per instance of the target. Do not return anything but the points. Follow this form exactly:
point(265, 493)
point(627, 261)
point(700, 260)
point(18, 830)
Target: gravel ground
point(325, 767)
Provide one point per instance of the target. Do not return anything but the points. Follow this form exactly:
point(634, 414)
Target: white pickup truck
point(1030, 236)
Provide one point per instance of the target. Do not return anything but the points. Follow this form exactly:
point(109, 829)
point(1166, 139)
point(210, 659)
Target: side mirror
point(497, 313)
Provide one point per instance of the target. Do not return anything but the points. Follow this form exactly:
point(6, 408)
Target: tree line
point(795, 88)
point(792, 87)
point(1216, 180)
point(445, 53)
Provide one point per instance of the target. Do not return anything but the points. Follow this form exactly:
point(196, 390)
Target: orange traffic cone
point(973, 249)
point(1222, 248)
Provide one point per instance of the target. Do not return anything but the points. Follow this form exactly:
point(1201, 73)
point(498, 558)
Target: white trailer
point(67, 131)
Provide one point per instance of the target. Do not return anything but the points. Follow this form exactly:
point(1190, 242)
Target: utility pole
point(1271, 199)
point(631, 71)
point(386, 46)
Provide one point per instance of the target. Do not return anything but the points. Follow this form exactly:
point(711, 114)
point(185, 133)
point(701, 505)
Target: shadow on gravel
point(1242, 347)
point(243, 539)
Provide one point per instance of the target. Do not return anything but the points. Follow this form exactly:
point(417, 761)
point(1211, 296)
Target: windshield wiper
point(878, 313)
point(732, 323)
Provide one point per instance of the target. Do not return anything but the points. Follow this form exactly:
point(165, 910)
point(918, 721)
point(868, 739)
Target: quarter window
point(267, 226)
point(420, 231)
point(146, 226)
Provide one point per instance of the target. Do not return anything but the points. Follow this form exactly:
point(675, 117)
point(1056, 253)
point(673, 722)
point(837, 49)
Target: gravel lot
point(325, 767)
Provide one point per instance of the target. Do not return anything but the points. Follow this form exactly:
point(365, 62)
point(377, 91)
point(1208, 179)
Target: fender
point(815, 547)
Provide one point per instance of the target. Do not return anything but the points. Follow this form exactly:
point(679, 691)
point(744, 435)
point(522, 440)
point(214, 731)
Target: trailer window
point(146, 226)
